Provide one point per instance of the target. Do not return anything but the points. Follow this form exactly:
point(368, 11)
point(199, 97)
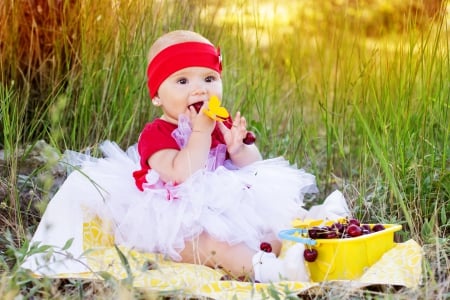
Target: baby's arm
point(246, 155)
point(177, 165)
point(240, 153)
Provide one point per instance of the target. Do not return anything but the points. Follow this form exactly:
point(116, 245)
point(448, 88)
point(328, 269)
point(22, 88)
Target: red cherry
point(365, 227)
point(377, 227)
point(339, 227)
point(354, 221)
point(266, 247)
point(331, 235)
point(250, 138)
point(354, 230)
point(310, 255)
point(317, 232)
point(226, 277)
point(313, 233)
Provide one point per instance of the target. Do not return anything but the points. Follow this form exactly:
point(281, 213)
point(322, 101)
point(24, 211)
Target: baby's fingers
point(223, 129)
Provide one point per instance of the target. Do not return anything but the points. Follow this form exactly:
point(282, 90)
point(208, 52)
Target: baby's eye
point(182, 81)
point(210, 78)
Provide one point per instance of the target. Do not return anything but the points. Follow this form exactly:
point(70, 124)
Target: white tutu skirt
point(245, 205)
point(236, 206)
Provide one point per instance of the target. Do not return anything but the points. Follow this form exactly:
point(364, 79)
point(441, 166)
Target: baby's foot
point(268, 268)
point(294, 263)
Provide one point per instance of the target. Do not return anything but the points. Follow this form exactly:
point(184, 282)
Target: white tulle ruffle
point(236, 206)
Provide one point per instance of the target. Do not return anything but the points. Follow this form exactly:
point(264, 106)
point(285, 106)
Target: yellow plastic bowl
point(346, 259)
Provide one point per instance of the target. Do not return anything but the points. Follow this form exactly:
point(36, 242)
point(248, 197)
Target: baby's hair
point(175, 37)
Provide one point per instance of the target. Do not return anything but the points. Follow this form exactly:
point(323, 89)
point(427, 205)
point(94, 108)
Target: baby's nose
point(199, 90)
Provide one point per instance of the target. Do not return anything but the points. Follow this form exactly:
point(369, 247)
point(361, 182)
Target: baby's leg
point(234, 259)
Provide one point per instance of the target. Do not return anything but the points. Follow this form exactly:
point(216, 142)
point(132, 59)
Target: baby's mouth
point(197, 106)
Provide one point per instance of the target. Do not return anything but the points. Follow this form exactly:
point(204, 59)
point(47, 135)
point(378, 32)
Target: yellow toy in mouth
point(215, 111)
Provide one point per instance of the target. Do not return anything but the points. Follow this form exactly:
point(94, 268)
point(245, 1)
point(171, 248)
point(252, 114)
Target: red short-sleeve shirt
point(157, 136)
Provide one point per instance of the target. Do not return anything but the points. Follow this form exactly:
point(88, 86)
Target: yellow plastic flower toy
point(215, 111)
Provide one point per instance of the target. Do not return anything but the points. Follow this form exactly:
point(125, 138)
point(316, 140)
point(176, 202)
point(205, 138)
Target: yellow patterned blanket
point(400, 266)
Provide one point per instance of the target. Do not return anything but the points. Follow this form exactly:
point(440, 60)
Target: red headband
point(180, 56)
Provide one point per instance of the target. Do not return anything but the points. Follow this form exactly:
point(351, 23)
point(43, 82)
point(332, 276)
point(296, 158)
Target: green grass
point(365, 111)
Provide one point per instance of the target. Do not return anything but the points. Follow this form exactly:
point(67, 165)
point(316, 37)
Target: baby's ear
point(156, 101)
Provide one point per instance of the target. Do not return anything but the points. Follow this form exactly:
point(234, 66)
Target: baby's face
point(186, 87)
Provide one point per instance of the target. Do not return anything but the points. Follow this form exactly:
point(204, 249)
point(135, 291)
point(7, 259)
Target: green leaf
point(125, 264)
point(105, 275)
point(67, 244)
point(443, 215)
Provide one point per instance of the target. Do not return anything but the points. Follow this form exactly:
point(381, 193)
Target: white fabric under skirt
point(237, 206)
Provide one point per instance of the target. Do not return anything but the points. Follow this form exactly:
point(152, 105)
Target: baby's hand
point(200, 121)
point(235, 135)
